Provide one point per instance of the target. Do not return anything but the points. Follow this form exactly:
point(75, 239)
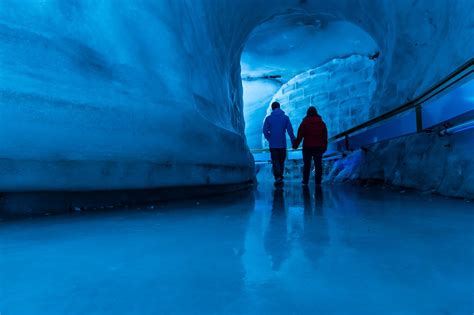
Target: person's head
point(311, 112)
point(275, 105)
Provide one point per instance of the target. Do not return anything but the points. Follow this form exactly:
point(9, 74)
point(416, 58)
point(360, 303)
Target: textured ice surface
point(290, 44)
point(134, 94)
point(426, 162)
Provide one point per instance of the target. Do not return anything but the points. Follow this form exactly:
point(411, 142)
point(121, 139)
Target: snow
point(142, 94)
point(422, 161)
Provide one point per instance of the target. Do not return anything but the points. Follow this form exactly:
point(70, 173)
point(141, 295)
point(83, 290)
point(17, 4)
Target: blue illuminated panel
point(457, 102)
point(396, 127)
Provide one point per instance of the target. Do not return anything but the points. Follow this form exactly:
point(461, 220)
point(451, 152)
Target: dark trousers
point(278, 161)
point(315, 154)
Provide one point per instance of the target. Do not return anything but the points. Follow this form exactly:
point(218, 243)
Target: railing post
point(419, 119)
point(346, 142)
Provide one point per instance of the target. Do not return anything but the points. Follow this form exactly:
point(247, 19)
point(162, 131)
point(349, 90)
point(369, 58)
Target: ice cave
point(137, 175)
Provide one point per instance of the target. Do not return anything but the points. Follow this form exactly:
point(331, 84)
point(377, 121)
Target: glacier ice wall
point(117, 94)
point(141, 94)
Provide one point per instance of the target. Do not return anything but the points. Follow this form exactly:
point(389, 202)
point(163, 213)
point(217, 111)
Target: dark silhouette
point(318, 197)
point(276, 242)
point(314, 134)
point(315, 238)
point(275, 127)
point(308, 208)
point(318, 201)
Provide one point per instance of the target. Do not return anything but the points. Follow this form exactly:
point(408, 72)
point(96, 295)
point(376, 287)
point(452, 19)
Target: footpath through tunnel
point(117, 95)
point(269, 251)
point(138, 124)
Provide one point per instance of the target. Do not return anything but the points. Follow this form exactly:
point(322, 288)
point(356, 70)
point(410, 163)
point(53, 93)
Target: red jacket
point(314, 132)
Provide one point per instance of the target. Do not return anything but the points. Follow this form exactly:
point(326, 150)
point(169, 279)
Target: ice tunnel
point(117, 94)
point(134, 178)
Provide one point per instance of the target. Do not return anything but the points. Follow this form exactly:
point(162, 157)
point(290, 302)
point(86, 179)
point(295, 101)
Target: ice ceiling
point(291, 43)
point(140, 94)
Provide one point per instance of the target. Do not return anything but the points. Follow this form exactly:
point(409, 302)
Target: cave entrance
point(301, 60)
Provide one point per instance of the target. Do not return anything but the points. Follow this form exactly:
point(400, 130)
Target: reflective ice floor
point(344, 250)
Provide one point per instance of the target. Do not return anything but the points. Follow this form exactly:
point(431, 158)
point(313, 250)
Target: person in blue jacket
point(275, 127)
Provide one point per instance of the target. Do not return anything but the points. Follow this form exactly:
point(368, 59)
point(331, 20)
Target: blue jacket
point(275, 127)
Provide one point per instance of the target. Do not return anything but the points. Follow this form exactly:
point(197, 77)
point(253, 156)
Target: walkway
point(347, 250)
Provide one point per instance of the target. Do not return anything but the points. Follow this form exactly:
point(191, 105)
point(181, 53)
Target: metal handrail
point(420, 100)
point(266, 150)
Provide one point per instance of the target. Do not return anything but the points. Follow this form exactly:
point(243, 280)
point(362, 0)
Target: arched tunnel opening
point(305, 60)
point(138, 125)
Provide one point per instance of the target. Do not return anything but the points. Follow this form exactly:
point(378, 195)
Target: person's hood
point(313, 120)
point(277, 112)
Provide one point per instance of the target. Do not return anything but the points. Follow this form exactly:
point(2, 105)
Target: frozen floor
point(348, 251)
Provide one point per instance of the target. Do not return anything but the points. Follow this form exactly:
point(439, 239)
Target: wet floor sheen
point(343, 250)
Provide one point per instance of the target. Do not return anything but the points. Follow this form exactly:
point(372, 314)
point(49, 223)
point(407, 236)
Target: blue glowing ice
point(124, 94)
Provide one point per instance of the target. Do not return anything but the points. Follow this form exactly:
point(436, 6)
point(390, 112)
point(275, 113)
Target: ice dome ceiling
point(138, 94)
point(289, 44)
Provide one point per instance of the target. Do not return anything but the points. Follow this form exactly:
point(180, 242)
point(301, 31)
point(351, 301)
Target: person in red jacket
point(314, 134)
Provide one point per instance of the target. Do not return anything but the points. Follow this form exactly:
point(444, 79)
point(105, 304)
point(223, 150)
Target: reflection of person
point(276, 242)
point(315, 238)
point(318, 201)
point(308, 208)
point(314, 134)
point(275, 127)
point(318, 197)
